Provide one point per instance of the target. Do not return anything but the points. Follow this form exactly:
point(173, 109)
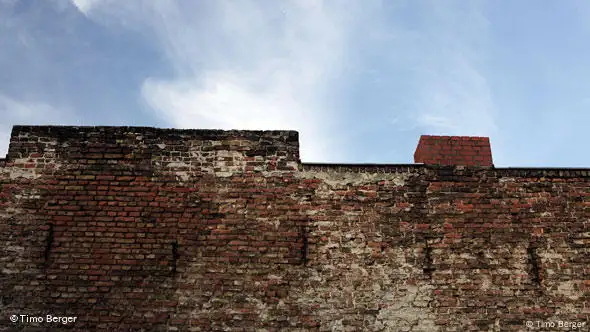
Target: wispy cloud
point(443, 53)
point(457, 100)
point(247, 64)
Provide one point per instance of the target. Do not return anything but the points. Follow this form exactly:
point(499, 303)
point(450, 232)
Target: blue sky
point(360, 80)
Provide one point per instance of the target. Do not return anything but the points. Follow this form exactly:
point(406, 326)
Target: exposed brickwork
point(454, 150)
point(143, 229)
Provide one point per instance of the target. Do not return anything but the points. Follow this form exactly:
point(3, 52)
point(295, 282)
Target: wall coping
point(65, 132)
point(558, 172)
point(57, 129)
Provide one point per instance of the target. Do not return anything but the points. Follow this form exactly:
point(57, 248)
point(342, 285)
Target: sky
point(359, 80)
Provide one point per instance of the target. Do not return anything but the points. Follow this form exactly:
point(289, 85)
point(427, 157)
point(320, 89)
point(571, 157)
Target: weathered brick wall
point(197, 230)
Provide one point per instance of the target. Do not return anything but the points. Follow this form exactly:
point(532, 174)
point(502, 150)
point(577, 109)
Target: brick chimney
point(454, 150)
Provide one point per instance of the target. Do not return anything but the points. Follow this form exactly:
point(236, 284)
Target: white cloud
point(272, 64)
point(247, 64)
point(4, 141)
point(85, 6)
point(20, 112)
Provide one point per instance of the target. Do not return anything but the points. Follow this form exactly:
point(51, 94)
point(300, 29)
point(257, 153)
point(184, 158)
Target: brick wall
point(143, 229)
point(454, 150)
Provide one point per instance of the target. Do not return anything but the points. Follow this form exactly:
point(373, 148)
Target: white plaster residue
point(15, 248)
point(181, 172)
point(183, 176)
point(293, 164)
point(224, 174)
point(466, 256)
point(551, 256)
point(177, 165)
point(339, 179)
point(486, 282)
point(462, 279)
point(410, 312)
point(567, 308)
point(276, 223)
point(261, 307)
point(30, 193)
point(569, 289)
point(226, 154)
point(359, 269)
point(313, 213)
point(502, 180)
point(336, 325)
point(18, 172)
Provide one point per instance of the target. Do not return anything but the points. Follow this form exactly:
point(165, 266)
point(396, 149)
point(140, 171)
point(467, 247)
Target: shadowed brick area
point(144, 229)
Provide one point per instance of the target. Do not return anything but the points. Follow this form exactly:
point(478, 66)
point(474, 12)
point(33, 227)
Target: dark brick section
point(454, 150)
point(144, 229)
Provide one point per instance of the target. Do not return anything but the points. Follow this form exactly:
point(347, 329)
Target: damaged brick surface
point(144, 229)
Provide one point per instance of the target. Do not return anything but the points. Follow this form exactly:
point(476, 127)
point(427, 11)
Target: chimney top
point(454, 150)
